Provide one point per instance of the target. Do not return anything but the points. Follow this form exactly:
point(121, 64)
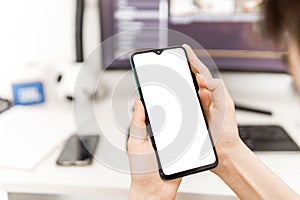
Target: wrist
point(229, 157)
point(135, 193)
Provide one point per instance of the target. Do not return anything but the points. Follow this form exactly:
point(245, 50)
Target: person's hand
point(146, 182)
point(219, 109)
point(236, 160)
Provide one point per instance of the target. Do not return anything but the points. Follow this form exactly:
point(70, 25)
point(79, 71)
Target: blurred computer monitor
point(228, 29)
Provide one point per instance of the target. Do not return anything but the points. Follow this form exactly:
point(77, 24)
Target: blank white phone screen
point(165, 110)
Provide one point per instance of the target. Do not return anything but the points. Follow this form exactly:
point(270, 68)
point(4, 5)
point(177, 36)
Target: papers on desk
point(29, 134)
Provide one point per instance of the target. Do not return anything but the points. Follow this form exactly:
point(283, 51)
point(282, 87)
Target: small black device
point(4, 105)
point(267, 138)
point(78, 150)
point(178, 130)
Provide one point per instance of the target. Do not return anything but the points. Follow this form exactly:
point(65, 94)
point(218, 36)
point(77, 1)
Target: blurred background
point(43, 31)
point(45, 43)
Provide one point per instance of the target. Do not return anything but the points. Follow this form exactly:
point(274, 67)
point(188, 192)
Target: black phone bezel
point(148, 125)
point(91, 150)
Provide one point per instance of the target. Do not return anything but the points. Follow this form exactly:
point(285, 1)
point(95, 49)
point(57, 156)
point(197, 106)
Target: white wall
point(43, 31)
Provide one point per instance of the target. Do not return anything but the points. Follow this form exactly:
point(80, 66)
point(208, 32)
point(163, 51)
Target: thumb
point(138, 131)
point(141, 154)
point(138, 117)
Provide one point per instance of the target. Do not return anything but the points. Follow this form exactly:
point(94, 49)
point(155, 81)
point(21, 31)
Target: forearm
point(136, 193)
point(249, 177)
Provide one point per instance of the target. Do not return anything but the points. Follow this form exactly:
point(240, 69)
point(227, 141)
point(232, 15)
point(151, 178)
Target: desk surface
point(269, 91)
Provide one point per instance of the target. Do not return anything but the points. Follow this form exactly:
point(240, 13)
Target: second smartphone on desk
point(78, 150)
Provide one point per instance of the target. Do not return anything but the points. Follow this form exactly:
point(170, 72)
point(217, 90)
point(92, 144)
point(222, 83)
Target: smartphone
point(175, 119)
point(78, 150)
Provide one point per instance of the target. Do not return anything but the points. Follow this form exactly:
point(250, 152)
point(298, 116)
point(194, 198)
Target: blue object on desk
point(28, 93)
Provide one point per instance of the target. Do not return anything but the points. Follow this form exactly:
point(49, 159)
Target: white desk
point(270, 91)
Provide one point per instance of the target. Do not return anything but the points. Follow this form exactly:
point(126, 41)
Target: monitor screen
point(228, 29)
